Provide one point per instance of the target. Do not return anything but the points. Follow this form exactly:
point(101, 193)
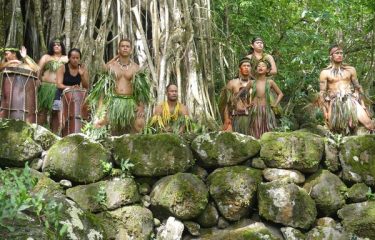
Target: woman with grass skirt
point(122, 92)
point(49, 64)
point(262, 105)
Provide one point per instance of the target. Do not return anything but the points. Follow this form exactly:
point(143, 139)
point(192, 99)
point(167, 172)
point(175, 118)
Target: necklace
point(124, 66)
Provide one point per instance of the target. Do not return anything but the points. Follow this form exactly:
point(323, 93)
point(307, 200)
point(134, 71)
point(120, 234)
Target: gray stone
point(327, 190)
point(359, 218)
point(76, 158)
point(297, 150)
point(233, 190)
point(192, 227)
point(66, 183)
point(331, 161)
point(171, 230)
point(44, 137)
point(17, 143)
point(287, 204)
point(217, 149)
point(292, 176)
point(114, 193)
point(209, 216)
point(357, 156)
point(290, 233)
point(358, 192)
point(153, 155)
point(258, 163)
point(183, 195)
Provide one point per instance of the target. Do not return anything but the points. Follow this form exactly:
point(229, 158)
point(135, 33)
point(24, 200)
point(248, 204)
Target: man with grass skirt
point(122, 93)
point(171, 115)
point(235, 100)
point(49, 64)
point(340, 96)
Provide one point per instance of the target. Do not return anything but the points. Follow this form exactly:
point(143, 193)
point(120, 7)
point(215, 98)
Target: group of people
point(249, 102)
point(122, 107)
point(56, 72)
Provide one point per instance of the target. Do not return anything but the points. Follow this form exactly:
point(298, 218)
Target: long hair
point(51, 44)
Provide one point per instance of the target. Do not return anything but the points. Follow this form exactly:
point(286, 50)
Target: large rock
point(17, 144)
point(209, 217)
point(255, 231)
point(78, 223)
point(217, 149)
point(234, 189)
point(114, 194)
point(44, 137)
point(76, 158)
point(359, 218)
point(327, 190)
point(293, 176)
point(357, 156)
point(153, 155)
point(172, 229)
point(183, 195)
point(129, 222)
point(287, 204)
point(358, 192)
point(297, 150)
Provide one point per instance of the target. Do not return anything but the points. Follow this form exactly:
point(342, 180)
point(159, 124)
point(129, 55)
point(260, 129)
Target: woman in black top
point(70, 75)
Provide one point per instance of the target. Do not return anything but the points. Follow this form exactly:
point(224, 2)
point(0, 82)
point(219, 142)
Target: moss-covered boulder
point(255, 231)
point(234, 189)
point(324, 233)
point(78, 224)
point(331, 160)
point(217, 149)
point(359, 218)
point(357, 156)
point(293, 176)
point(327, 190)
point(297, 150)
point(77, 159)
point(287, 204)
point(129, 222)
point(153, 155)
point(105, 195)
point(358, 192)
point(17, 143)
point(44, 137)
point(290, 233)
point(209, 217)
point(182, 195)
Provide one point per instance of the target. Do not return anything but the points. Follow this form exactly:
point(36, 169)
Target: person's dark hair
point(332, 47)
point(125, 40)
point(252, 42)
point(170, 84)
point(51, 44)
point(74, 50)
point(268, 64)
point(244, 60)
point(15, 50)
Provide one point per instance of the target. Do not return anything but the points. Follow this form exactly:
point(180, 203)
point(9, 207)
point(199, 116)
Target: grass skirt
point(46, 95)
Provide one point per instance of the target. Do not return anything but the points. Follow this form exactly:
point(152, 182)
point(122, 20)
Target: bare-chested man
point(261, 113)
point(170, 116)
point(125, 113)
point(49, 64)
point(257, 53)
point(342, 107)
point(238, 99)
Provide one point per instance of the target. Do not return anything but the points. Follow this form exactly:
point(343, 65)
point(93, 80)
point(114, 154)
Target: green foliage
point(370, 195)
point(107, 166)
point(126, 166)
point(101, 196)
point(335, 140)
point(19, 202)
point(95, 134)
